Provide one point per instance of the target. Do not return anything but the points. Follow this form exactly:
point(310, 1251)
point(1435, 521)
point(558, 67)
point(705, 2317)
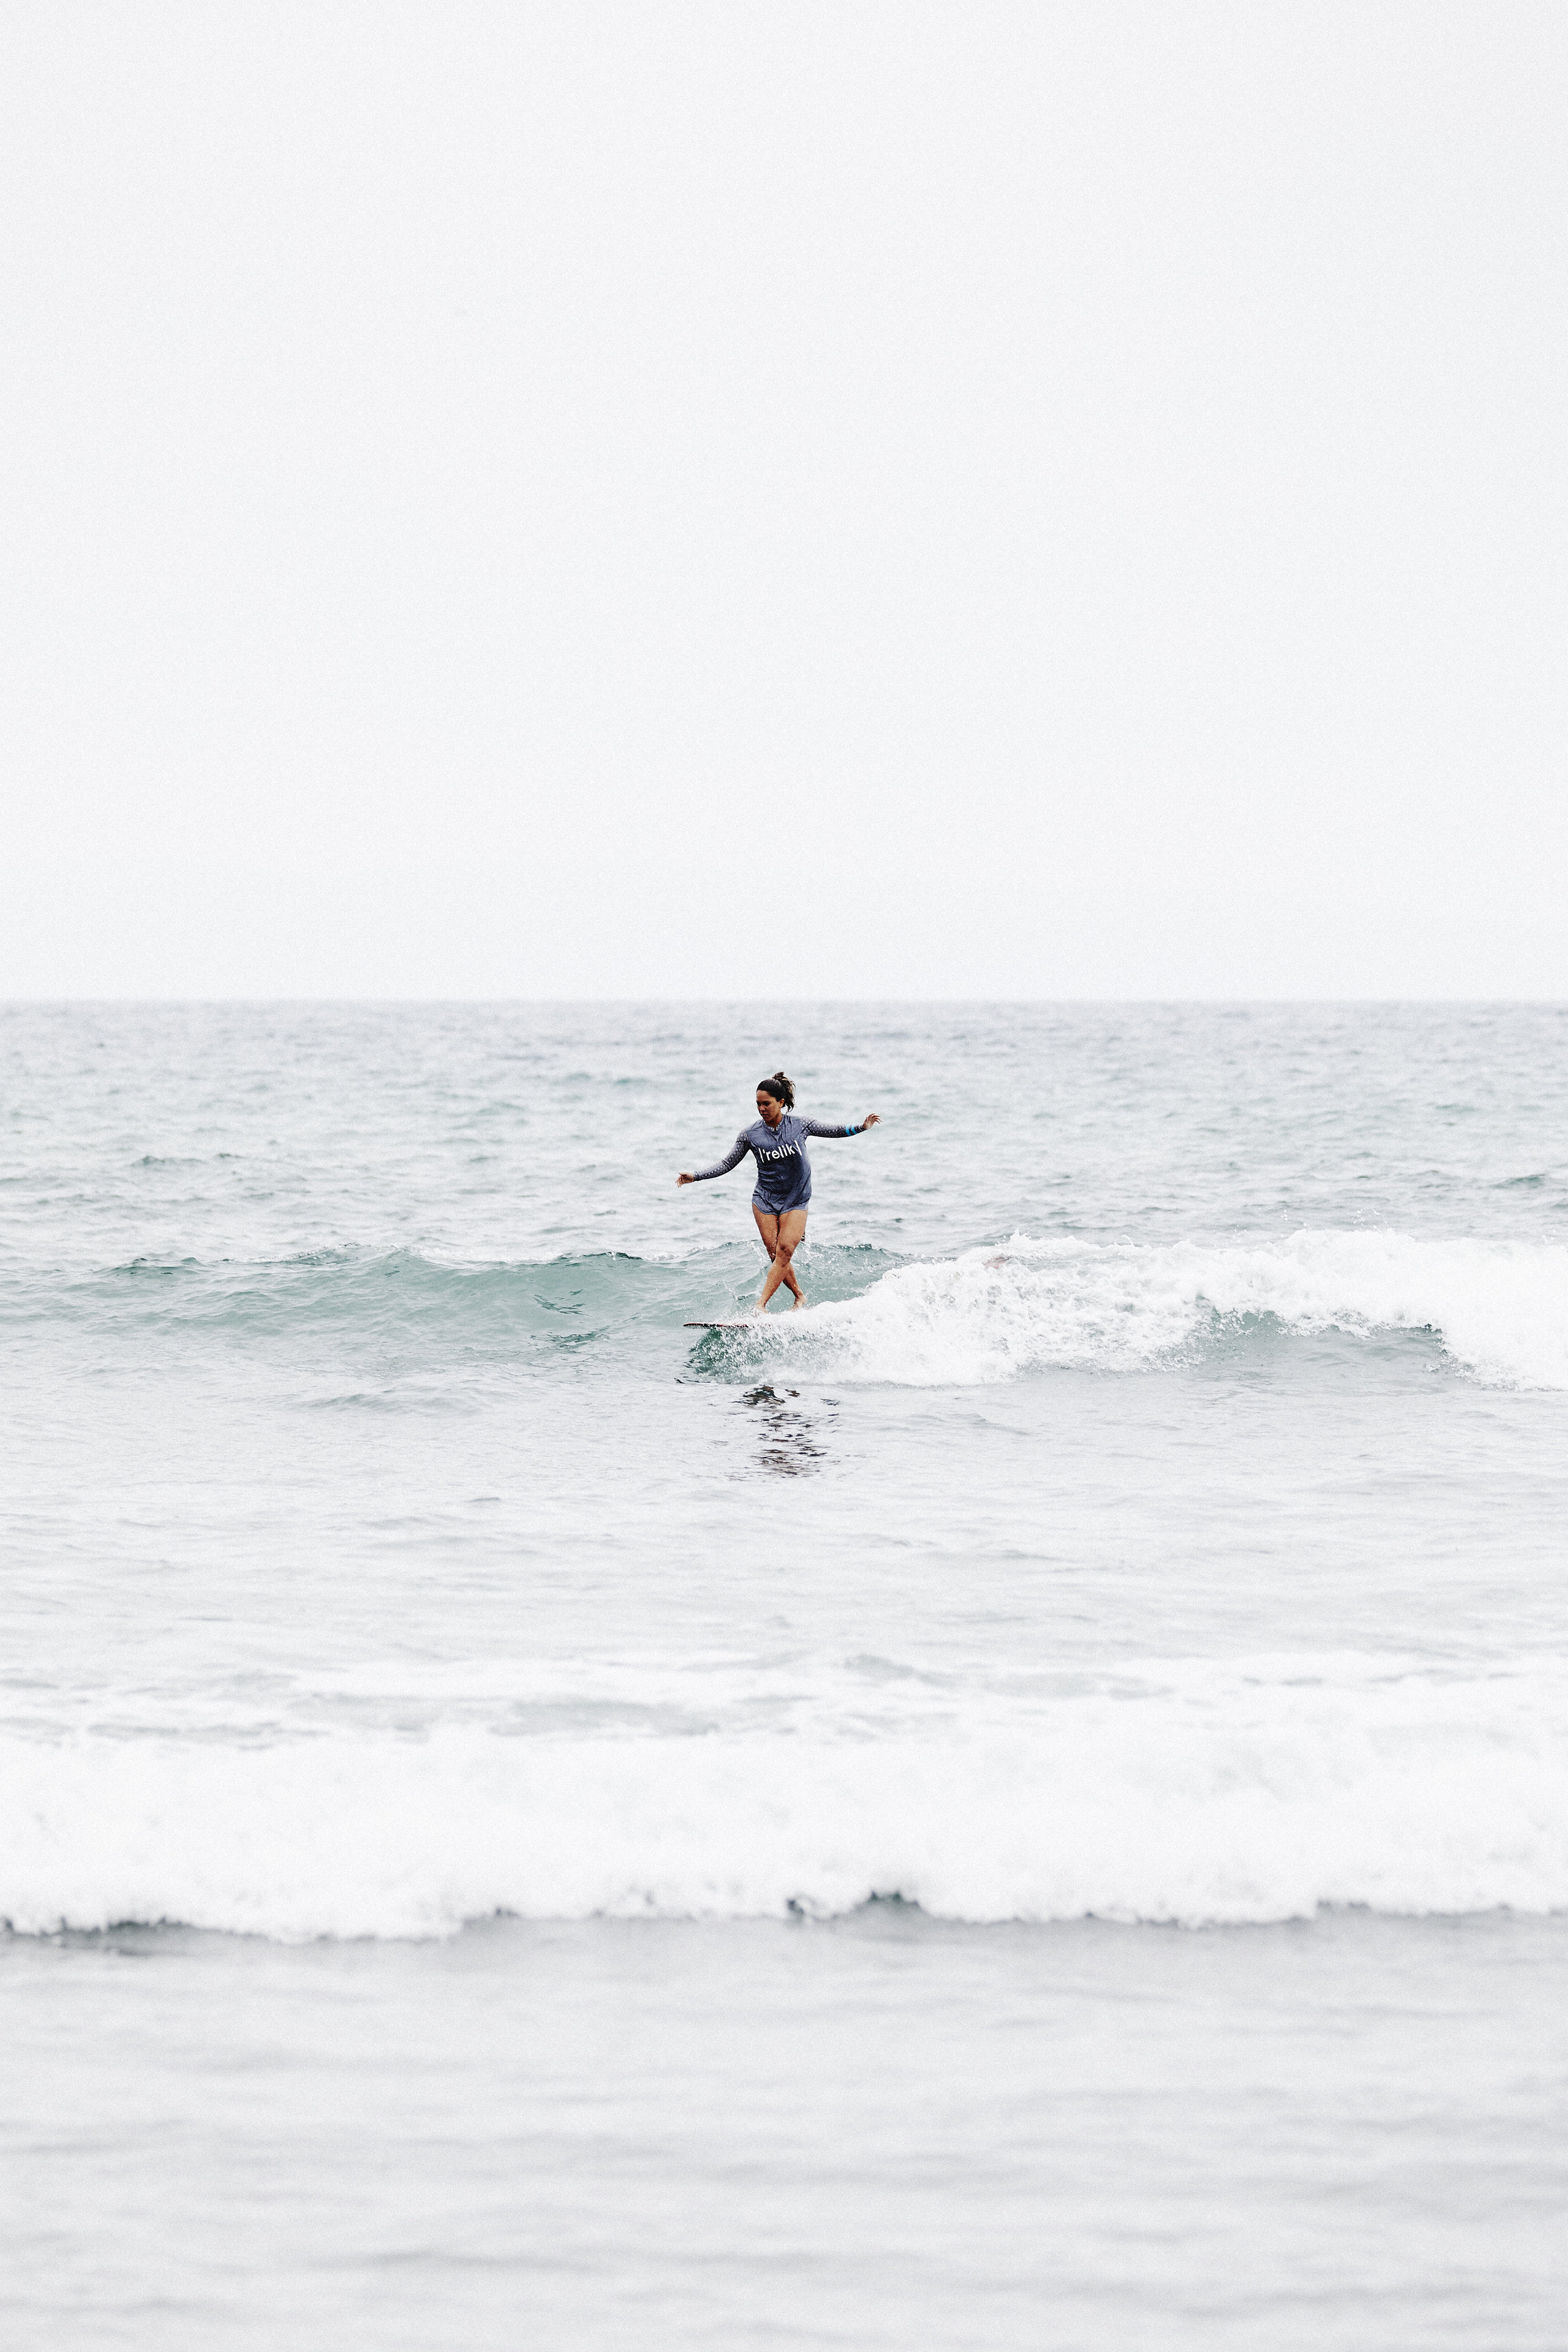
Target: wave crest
point(991, 1314)
point(1258, 1792)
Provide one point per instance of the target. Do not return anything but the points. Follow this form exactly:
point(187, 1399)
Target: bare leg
point(768, 1226)
point(789, 1231)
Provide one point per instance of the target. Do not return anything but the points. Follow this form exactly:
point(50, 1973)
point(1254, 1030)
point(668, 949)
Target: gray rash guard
point(784, 1171)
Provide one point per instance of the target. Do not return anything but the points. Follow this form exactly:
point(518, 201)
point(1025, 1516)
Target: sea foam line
point(990, 1314)
point(1236, 1801)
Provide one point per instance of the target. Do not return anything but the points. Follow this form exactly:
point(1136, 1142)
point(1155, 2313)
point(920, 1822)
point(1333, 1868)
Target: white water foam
point(1501, 1314)
point(1256, 1791)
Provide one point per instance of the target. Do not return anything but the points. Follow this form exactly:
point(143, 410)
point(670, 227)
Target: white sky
point(791, 500)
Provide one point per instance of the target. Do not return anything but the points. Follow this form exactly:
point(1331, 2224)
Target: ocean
point(1026, 1806)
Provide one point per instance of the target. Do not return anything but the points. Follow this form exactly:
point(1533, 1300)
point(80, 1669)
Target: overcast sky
point(793, 500)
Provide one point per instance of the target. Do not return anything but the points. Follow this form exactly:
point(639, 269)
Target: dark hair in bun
point(779, 1086)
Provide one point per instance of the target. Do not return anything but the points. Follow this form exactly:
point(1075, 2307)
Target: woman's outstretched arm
point(719, 1167)
point(820, 1127)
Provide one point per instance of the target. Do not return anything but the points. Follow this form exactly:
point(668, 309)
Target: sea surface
point(1025, 1806)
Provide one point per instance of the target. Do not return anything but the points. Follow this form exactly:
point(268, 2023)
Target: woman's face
point(769, 1110)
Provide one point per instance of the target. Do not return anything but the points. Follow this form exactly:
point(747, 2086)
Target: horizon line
point(61, 1002)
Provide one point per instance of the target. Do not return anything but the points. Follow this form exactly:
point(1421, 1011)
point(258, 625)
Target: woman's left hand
point(875, 1120)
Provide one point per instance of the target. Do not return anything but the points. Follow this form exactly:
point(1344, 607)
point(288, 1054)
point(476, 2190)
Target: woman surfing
point(783, 1177)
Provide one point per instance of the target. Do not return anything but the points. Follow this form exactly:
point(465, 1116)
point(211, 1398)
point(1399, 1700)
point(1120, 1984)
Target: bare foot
point(800, 1302)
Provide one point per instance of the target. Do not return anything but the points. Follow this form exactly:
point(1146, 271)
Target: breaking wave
point(1257, 1791)
point(985, 1315)
point(991, 1314)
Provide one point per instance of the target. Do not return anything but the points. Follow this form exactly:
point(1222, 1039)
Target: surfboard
point(750, 1323)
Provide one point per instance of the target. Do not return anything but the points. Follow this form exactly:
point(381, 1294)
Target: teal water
point(1152, 1534)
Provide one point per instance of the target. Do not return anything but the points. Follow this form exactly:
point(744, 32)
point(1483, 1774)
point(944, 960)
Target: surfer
point(783, 1177)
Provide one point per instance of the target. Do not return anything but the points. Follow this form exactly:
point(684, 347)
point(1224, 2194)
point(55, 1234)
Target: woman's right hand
point(684, 1180)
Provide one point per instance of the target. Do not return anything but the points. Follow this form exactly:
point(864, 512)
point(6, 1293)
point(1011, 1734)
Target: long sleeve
point(820, 1127)
point(722, 1167)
